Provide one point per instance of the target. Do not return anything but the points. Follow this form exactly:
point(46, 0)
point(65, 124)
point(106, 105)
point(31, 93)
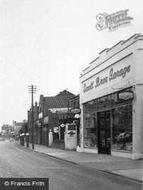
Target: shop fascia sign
point(61, 110)
point(112, 75)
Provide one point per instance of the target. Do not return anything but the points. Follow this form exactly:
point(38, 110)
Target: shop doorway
point(104, 132)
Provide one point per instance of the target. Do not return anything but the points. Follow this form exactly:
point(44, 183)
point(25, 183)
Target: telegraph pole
point(32, 90)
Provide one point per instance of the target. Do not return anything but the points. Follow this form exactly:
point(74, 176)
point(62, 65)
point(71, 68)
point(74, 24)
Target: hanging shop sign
point(125, 95)
point(111, 76)
point(62, 125)
point(76, 110)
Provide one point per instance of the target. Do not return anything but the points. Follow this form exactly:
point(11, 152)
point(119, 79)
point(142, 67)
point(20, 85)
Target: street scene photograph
point(71, 95)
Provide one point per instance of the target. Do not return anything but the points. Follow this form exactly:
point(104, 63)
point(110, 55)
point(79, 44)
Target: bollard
point(27, 140)
point(50, 138)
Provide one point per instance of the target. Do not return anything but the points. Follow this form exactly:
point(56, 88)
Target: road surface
point(18, 161)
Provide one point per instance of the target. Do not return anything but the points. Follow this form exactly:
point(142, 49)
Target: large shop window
point(122, 128)
point(90, 133)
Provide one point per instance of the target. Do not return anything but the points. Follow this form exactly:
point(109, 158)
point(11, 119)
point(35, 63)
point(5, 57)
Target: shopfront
point(108, 122)
point(111, 101)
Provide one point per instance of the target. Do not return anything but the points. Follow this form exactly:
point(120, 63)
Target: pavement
point(132, 169)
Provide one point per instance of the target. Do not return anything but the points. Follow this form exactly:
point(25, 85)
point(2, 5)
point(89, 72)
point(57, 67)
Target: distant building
point(74, 103)
point(17, 126)
point(51, 112)
point(55, 110)
point(6, 130)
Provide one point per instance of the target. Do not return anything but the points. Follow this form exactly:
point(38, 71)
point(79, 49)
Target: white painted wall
point(117, 58)
point(116, 61)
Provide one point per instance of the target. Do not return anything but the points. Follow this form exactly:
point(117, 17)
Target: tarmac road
point(18, 161)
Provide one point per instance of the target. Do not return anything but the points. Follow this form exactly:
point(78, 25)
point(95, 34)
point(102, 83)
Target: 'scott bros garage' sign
point(102, 79)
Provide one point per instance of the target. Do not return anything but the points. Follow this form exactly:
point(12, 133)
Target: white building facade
point(111, 100)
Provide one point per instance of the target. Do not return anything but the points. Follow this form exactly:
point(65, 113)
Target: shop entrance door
point(104, 135)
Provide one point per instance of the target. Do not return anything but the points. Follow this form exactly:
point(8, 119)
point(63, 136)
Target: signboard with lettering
point(125, 95)
point(71, 133)
point(113, 74)
point(117, 76)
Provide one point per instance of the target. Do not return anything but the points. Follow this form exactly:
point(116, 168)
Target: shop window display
point(90, 135)
point(122, 128)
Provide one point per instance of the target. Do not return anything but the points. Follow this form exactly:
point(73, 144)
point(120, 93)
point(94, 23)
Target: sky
point(48, 43)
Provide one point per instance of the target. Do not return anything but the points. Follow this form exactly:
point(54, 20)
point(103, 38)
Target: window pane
point(122, 128)
point(90, 134)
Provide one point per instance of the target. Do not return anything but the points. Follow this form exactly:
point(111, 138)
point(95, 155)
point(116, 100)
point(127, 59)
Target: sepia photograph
point(71, 95)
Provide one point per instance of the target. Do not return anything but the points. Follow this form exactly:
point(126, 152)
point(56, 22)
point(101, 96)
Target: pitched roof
point(61, 100)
